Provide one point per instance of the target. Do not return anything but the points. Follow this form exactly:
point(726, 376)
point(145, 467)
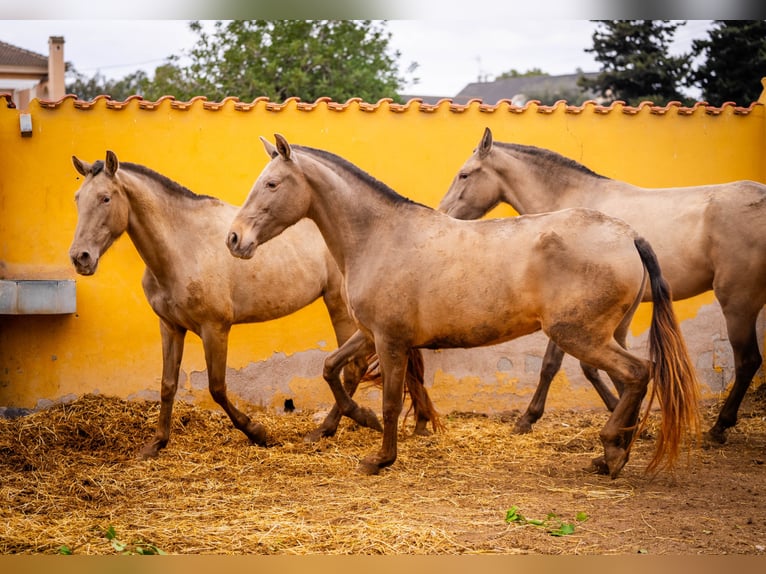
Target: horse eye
point(106, 199)
point(271, 185)
point(463, 175)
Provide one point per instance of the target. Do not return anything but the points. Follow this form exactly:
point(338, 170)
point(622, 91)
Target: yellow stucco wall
point(111, 345)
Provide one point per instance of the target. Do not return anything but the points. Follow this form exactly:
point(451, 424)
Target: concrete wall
point(111, 343)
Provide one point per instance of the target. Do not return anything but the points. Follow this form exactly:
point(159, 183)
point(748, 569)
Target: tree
point(88, 88)
point(309, 59)
point(734, 61)
point(635, 64)
point(513, 73)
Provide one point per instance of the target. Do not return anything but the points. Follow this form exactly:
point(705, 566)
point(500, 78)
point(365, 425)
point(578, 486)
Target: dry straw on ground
point(69, 474)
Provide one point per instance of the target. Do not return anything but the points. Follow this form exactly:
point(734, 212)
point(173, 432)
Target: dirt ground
point(71, 483)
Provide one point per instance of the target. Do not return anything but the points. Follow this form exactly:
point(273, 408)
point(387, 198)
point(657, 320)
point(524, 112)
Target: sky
point(449, 53)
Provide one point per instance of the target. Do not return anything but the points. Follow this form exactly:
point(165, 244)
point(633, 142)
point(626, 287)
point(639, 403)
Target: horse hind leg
point(172, 351)
point(633, 375)
point(747, 361)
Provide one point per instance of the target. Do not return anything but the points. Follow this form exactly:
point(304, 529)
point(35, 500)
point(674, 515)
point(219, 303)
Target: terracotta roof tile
point(535, 106)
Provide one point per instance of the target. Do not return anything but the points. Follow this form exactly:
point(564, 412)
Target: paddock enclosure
point(63, 336)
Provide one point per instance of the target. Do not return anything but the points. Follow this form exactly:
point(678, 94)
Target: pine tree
point(635, 63)
point(734, 61)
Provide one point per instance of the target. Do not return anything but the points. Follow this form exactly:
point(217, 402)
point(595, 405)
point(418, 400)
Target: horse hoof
point(257, 434)
point(150, 450)
point(147, 452)
point(522, 427)
point(317, 434)
point(369, 419)
point(599, 466)
point(716, 435)
point(368, 468)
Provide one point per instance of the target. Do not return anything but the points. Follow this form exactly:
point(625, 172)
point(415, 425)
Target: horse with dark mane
point(706, 237)
point(195, 285)
point(417, 278)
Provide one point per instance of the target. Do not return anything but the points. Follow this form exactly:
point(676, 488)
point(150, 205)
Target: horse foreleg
point(551, 365)
point(747, 361)
point(603, 391)
point(393, 366)
point(215, 340)
point(172, 351)
point(353, 371)
point(356, 347)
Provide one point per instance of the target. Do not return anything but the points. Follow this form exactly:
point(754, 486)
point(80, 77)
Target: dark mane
point(349, 167)
point(549, 156)
point(165, 181)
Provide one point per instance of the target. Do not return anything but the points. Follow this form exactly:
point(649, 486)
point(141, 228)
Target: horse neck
point(533, 186)
point(156, 222)
point(347, 211)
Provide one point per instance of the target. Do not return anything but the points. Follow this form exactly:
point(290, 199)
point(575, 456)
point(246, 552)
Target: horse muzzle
point(238, 247)
point(84, 263)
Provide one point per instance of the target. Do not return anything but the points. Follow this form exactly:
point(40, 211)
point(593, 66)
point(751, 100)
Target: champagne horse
point(706, 237)
point(194, 285)
point(417, 278)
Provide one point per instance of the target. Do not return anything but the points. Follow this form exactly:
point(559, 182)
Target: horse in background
point(706, 237)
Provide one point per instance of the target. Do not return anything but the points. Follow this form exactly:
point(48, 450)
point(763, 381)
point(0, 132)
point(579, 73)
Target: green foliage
point(139, 548)
point(734, 61)
point(635, 64)
point(552, 524)
point(247, 59)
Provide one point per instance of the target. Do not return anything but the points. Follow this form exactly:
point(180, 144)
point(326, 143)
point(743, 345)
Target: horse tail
point(413, 385)
point(675, 381)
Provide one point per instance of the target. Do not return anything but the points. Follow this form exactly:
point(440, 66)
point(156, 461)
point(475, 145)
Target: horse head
point(102, 212)
point(476, 188)
point(278, 199)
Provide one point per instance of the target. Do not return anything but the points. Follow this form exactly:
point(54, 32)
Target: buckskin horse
point(706, 237)
point(195, 285)
point(417, 278)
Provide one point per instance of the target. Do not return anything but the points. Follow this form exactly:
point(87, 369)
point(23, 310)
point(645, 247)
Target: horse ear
point(486, 143)
point(283, 147)
point(82, 167)
point(111, 164)
point(270, 148)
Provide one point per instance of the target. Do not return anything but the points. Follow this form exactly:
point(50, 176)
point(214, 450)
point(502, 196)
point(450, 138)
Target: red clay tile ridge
point(387, 104)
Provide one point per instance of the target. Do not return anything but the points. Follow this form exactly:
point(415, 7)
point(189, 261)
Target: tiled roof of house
point(507, 88)
point(14, 56)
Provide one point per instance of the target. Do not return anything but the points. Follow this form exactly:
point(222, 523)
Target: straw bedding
point(70, 482)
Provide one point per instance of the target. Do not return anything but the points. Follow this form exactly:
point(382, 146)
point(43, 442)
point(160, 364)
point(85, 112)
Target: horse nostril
point(233, 239)
point(82, 257)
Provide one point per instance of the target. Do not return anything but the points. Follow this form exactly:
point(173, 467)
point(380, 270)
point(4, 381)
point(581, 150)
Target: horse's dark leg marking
point(215, 340)
point(352, 374)
point(551, 365)
point(393, 365)
point(172, 350)
point(357, 347)
point(747, 361)
point(610, 400)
